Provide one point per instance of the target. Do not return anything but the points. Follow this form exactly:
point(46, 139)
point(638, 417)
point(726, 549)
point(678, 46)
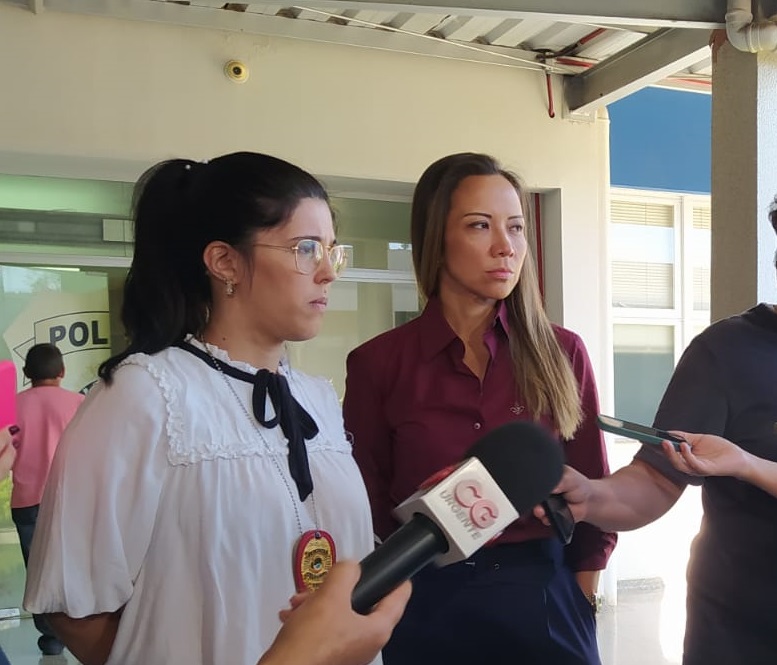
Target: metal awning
point(605, 49)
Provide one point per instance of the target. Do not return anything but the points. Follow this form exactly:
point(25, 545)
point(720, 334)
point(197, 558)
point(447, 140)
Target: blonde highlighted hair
point(543, 372)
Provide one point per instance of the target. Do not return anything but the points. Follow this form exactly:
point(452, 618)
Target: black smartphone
point(560, 517)
point(639, 432)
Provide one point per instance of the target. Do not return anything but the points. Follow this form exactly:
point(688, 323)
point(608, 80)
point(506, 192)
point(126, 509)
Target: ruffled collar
point(223, 357)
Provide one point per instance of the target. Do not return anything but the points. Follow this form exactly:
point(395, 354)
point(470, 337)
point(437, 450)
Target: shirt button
point(477, 425)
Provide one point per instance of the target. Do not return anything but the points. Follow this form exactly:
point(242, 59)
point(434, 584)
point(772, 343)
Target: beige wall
point(120, 89)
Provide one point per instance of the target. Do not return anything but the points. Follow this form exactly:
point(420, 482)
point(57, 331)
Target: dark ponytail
point(179, 207)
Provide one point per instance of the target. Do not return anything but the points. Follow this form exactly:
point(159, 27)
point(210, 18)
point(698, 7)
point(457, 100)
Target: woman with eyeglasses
point(204, 481)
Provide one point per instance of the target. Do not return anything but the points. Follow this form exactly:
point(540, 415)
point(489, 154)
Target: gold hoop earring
point(229, 287)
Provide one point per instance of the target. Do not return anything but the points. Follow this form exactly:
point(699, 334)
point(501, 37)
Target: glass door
point(76, 308)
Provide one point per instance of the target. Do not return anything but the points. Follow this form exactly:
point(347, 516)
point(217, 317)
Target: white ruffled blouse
point(164, 500)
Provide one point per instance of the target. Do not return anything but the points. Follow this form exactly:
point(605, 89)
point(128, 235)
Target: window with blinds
point(646, 214)
point(701, 289)
point(702, 218)
point(702, 228)
point(648, 285)
point(644, 231)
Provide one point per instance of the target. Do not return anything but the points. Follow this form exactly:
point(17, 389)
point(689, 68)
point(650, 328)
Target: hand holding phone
point(642, 433)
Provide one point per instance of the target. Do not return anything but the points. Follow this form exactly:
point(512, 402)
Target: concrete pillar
point(744, 179)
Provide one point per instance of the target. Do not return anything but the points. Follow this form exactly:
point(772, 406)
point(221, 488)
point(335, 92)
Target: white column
point(744, 179)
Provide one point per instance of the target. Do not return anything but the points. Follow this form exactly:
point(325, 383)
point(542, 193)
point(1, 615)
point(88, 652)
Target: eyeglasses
point(308, 254)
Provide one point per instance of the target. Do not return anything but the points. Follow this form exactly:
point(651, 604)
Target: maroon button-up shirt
point(413, 407)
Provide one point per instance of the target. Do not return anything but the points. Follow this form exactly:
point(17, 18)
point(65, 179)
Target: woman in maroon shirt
point(482, 353)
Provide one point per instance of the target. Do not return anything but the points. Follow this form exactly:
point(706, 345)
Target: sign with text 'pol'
point(78, 323)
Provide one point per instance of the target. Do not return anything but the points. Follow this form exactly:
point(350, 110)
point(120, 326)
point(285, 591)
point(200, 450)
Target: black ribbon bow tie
point(296, 424)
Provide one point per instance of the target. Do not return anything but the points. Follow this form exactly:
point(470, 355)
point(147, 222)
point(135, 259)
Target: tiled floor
point(642, 630)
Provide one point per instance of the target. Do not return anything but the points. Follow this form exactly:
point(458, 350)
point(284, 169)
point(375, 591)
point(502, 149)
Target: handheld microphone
point(505, 473)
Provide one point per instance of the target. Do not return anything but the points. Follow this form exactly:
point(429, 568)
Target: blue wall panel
point(661, 139)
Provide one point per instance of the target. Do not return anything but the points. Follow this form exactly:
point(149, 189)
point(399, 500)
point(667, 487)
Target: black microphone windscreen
point(524, 460)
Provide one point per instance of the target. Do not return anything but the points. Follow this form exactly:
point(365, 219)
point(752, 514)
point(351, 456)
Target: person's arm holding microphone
point(630, 498)
point(638, 494)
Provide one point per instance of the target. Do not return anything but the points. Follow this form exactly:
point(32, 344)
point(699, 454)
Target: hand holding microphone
point(323, 630)
point(505, 474)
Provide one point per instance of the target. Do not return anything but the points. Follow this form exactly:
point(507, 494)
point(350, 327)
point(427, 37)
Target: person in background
point(481, 354)
point(44, 410)
point(204, 480)
point(724, 386)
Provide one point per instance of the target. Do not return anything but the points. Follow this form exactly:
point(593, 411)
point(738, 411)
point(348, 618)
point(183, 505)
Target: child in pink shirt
point(43, 412)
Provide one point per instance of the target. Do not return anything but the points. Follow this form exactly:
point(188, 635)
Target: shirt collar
point(502, 317)
point(436, 334)
point(498, 329)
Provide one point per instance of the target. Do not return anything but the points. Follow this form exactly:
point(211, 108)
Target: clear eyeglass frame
point(309, 252)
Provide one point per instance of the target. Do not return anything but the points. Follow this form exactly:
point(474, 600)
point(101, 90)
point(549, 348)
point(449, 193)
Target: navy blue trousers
point(25, 520)
point(506, 605)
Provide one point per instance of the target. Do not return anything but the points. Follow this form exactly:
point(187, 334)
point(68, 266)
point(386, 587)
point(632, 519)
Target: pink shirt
point(413, 407)
point(42, 413)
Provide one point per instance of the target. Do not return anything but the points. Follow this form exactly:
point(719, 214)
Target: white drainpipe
point(746, 35)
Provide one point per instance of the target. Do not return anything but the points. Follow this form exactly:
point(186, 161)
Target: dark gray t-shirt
point(726, 384)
